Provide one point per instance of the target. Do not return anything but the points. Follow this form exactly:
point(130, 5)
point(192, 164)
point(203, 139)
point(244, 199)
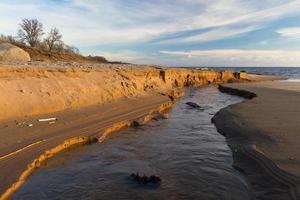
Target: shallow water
point(191, 157)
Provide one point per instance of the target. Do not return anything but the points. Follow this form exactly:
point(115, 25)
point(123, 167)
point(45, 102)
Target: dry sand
point(27, 91)
point(9, 52)
point(265, 129)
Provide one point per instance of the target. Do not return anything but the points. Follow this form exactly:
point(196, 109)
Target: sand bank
point(27, 91)
point(24, 148)
point(265, 130)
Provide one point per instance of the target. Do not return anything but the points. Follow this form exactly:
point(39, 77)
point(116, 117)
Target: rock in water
point(12, 53)
point(194, 105)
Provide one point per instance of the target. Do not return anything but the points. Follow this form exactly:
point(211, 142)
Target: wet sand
point(266, 130)
point(22, 144)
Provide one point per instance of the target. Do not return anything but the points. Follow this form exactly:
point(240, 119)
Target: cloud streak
point(212, 35)
point(234, 57)
point(239, 24)
point(236, 53)
point(292, 32)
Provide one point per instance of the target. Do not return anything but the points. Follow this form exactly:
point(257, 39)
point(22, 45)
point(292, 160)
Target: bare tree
point(30, 31)
point(53, 38)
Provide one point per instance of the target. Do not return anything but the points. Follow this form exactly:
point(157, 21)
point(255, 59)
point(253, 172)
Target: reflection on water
point(186, 151)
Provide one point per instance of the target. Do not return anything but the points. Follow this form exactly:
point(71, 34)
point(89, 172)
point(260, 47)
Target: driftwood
point(47, 119)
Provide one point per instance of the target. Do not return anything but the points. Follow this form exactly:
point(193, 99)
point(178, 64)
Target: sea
point(291, 73)
point(185, 150)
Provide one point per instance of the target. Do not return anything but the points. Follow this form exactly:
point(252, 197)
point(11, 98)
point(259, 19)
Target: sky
point(170, 32)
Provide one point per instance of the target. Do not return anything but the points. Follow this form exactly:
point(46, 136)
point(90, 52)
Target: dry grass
point(46, 56)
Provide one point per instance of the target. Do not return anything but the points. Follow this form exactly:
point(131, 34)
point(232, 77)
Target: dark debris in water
point(194, 105)
point(145, 180)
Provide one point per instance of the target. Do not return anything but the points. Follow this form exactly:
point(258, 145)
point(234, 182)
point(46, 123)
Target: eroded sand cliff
point(27, 91)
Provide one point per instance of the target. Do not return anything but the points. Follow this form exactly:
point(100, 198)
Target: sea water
point(292, 73)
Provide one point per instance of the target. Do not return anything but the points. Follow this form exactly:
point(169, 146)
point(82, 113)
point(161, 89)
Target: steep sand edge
point(33, 90)
point(252, 145)
point(47, 147)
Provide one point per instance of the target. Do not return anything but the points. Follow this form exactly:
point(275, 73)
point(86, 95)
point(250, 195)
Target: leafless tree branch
point(30, 31)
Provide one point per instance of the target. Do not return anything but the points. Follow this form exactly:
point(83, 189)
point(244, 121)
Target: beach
point(48, 109)
point(150, 100)
point(265, 129)
point(184, 149)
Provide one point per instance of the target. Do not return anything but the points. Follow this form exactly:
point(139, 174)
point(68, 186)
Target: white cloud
point(236, 53)
point(96, 22)
point(213, 35)
point(226, 27)
point(293, 32)
point(236, 57)
point(124, 56)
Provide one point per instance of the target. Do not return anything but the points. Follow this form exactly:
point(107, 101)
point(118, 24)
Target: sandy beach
point(47, 109)
point(181, 99)
point(265, 130)
point(86, 104)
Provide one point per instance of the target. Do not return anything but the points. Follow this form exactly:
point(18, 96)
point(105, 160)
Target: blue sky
point(171, 32)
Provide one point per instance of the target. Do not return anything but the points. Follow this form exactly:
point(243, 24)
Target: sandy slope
point(9, 52)
point(266, 129)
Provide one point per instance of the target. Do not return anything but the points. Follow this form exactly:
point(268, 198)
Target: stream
point(185, 151)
